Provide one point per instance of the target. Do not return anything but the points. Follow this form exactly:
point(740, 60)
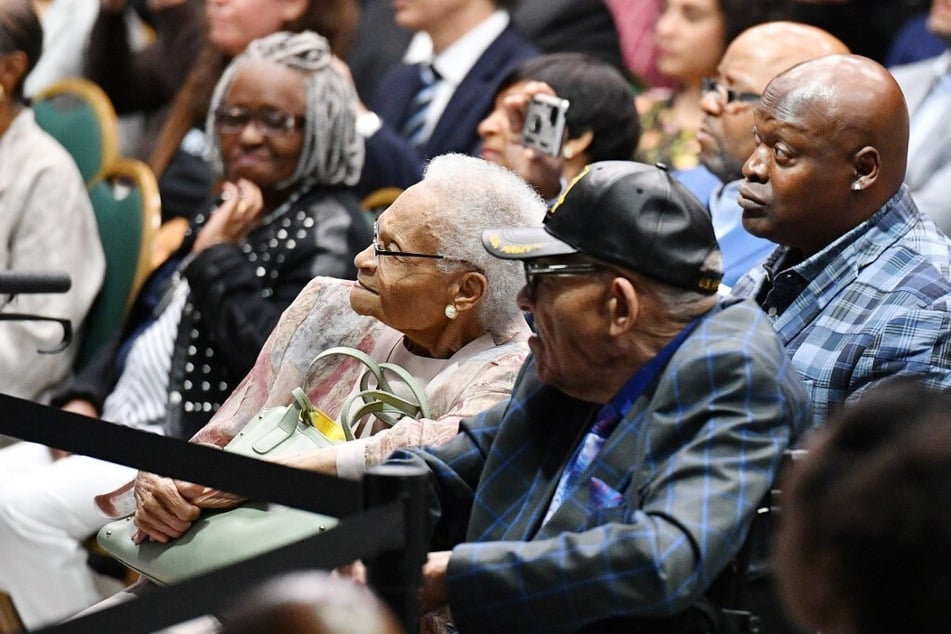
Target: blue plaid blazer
point(878, 305)
point(658, 514)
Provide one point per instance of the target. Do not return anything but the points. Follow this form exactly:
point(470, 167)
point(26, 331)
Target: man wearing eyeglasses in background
point(622, 476)
point(726, 133)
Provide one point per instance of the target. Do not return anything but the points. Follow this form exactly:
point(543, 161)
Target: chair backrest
point(77, 113)
point(128, 213)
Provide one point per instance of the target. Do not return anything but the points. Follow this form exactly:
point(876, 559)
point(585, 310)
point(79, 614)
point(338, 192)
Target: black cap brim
point(523, 243)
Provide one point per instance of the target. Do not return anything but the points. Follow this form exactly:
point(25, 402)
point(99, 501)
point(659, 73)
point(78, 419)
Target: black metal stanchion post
point(397, 576)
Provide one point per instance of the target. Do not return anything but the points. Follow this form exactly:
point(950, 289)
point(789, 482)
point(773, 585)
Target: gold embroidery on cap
point(519, 249)
point(561, 198)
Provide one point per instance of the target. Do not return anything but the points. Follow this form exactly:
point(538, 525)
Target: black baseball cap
point(629, 214)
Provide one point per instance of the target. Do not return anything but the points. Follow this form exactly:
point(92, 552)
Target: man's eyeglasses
point(727, 95)
point(535, 270)
point(270, 122)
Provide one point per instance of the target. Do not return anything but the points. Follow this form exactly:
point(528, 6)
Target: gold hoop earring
point(451, 311)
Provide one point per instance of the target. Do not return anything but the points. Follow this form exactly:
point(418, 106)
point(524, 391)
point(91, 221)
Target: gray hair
point(333, 152)
point(475, 195)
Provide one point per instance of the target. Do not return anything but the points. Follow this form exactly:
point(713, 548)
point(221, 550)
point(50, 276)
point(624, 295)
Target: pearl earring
point(568, 153)
point(451, 311)
point(856, 187)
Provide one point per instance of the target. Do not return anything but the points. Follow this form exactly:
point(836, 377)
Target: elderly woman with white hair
point(283, 127)
point(427, 297)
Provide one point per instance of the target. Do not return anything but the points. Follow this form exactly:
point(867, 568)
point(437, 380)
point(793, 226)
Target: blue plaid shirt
point(658, 513)
point(874, 304)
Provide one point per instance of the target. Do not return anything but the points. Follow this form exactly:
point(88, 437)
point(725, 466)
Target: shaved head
point(774, 47)
point(756, 56)
point(858, 104)
point(831, 145)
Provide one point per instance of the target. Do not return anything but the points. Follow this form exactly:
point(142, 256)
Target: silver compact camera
point(544, 128)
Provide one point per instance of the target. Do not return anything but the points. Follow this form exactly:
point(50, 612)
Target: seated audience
point(691, 36)
point(310, 603)
point(47, 223)
point(623, 474)
point(552, 26)
point(282, 121)
point(181, 68)
point(927, 89)
point(601, 122)
point(751, 60)
point(451, 321)
point(865, 536)
point(431, 108)
point(859, 288)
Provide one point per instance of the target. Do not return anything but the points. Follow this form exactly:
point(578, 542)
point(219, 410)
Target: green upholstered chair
point(78, 114)
point(128, 213)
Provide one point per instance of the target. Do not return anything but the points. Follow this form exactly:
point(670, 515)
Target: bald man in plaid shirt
point(859, 290)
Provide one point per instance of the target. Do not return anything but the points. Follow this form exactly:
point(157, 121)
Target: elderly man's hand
point(161, 512)
point(434, 594)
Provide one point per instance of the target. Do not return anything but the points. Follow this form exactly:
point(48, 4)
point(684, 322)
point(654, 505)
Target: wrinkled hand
point(238, 213)
point(161, 512)
point(208, 498)
point(434, 594)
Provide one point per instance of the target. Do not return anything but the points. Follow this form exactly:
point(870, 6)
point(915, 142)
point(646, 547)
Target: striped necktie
point(415, 127)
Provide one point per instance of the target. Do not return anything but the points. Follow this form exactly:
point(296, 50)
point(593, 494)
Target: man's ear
point(867, 164)
point(623, 306)
point(471, 288)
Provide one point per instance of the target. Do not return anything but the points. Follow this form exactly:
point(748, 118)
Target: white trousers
point(46, 512)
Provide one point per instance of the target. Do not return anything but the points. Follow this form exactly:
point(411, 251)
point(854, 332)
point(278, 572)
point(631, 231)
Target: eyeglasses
point(407, 254)
point(727, 95)
point(534, 271)
point(270, 122)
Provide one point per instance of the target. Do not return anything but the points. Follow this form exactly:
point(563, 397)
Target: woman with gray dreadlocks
point(282, 120)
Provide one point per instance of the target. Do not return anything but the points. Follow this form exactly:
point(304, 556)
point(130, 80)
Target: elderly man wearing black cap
point(622, 476)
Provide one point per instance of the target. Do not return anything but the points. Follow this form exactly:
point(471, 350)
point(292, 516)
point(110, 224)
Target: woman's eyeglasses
point(269, 121)
point(409, 254)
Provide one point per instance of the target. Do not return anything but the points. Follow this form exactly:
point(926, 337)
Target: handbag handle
point(380, 401)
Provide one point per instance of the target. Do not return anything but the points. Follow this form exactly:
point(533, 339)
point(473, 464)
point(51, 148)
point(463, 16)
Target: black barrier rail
point(17, 282)
point(381, 518)
point(22, 282)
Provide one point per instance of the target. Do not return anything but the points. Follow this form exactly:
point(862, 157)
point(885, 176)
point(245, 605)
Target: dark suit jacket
point(553, 26)
point(657, 515)
point(929, 169)
point(391, 160)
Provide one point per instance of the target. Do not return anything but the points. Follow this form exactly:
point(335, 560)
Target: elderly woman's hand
point(208, 498)
point(161, 512)
point(238, 213)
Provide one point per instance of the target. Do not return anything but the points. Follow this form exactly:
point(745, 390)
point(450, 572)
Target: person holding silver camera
point(556, 113)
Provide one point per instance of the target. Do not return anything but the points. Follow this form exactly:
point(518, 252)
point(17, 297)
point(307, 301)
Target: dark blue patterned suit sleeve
point(635, 538)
